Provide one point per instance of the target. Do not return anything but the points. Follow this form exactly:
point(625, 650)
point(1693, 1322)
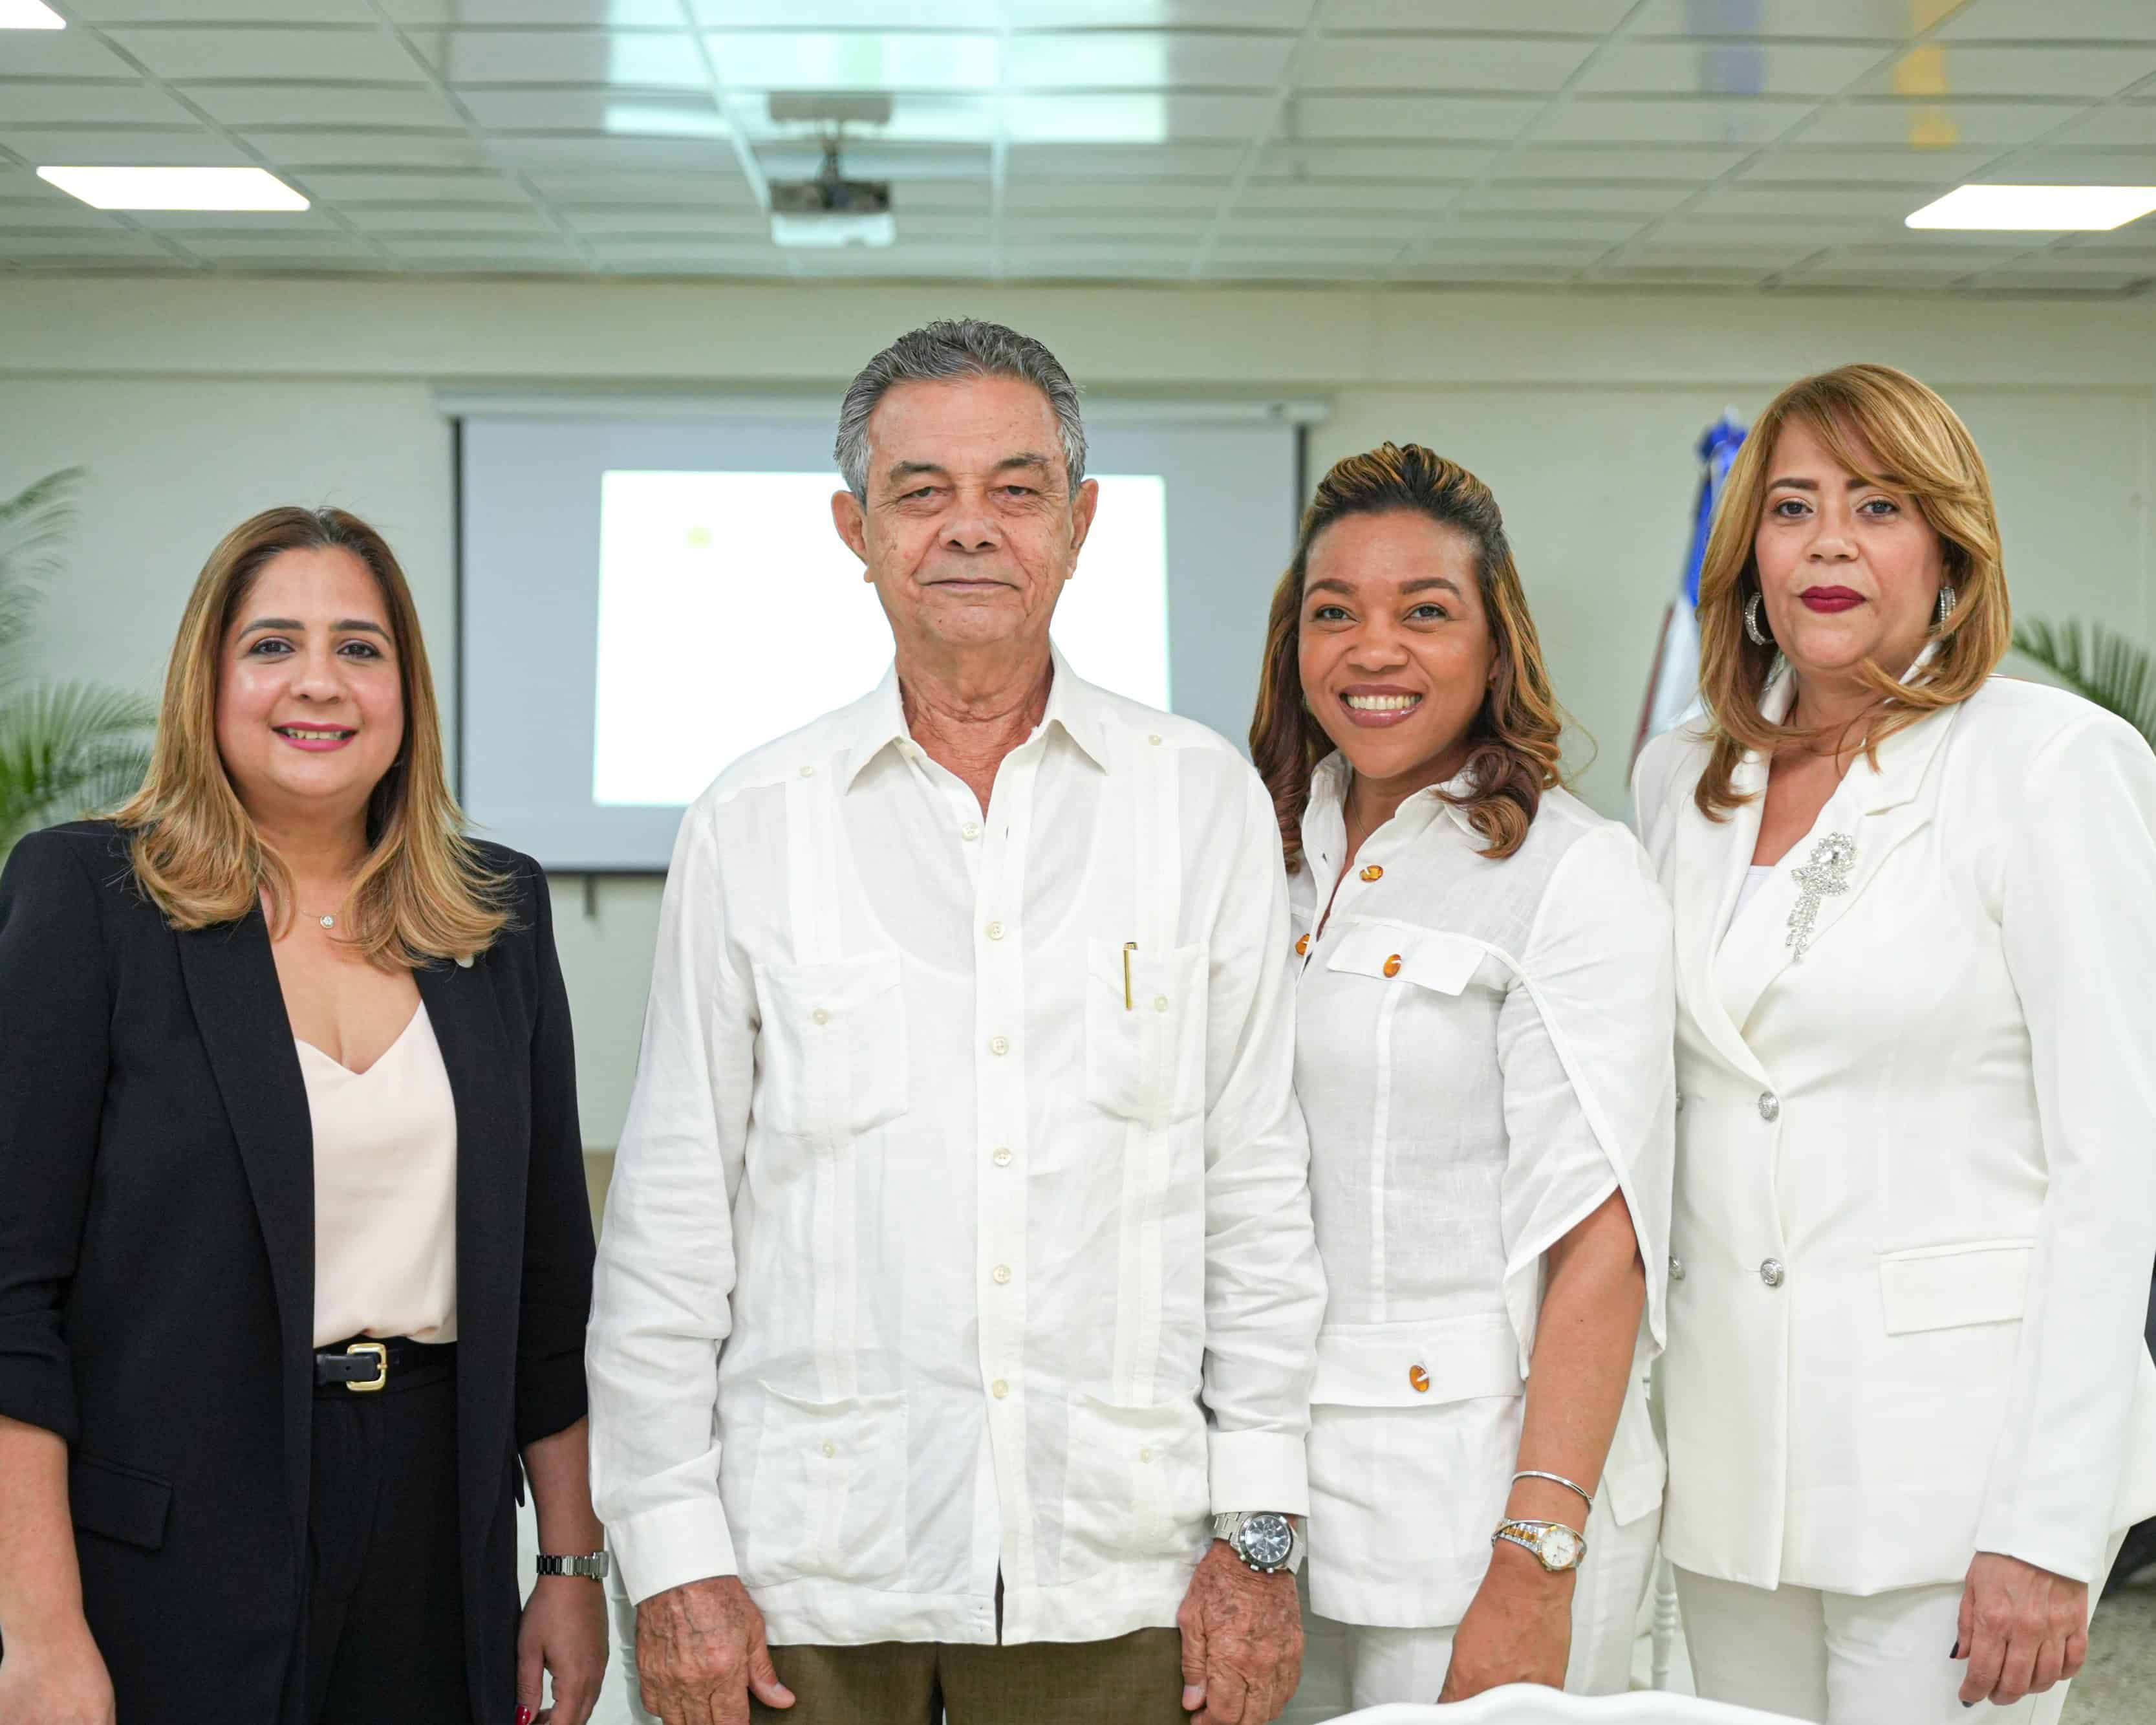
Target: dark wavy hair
point(1513, 758)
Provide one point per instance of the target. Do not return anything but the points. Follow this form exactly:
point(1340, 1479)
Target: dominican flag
point(1673, 689)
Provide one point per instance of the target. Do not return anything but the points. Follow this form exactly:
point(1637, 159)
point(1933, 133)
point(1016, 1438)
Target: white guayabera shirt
point(959, 1230)
point(1484, 1056)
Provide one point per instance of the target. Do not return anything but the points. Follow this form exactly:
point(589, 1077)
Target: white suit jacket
point(1916, 1189)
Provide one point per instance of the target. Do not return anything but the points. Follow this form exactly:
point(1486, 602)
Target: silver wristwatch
point(593, 1567)
point(1265, 1540)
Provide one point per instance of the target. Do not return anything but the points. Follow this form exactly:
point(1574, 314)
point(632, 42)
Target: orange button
point(1419, 1379)
point(1393, 965)
point(1303, 947)
point(1374, 873)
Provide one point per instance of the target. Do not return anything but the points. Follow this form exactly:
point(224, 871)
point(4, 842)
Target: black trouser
point(385, 1605)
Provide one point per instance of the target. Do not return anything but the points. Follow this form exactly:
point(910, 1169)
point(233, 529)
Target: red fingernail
point(523, 1714)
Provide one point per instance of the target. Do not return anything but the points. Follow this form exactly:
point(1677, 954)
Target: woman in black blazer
point(208, 1510)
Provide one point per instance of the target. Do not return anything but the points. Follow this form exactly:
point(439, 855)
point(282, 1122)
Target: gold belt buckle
point(380, 1353)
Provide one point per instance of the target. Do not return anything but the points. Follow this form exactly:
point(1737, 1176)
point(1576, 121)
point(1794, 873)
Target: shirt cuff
point(1257, 1469)
point(2057, 1548)
point(671, 1546)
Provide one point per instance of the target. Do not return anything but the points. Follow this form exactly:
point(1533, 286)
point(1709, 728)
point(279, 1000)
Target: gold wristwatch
point(1556, 1546)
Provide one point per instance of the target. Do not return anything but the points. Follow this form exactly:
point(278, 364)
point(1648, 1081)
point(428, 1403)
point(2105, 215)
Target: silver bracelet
point(1555, 1479)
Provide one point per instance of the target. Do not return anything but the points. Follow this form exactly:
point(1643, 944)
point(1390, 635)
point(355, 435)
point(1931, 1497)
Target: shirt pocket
point(832, 1050)
point(1431, 958)
point(1145, 1031)
point(1135, 1483)
point(1943, 1287)
point(828, 1498)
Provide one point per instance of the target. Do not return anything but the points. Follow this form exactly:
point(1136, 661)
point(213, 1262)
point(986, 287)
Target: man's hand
point(55, 1680)
point(700, 1650)
point(2022, 1629)
point(1242, 1641)
point(1518, 1629)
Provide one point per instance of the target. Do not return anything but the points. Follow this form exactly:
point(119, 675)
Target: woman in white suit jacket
point(1485, 1004)
point(1909, 1405)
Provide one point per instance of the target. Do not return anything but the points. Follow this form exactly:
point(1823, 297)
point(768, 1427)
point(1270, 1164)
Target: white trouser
point(1347, 1665)
point(1841, 1659)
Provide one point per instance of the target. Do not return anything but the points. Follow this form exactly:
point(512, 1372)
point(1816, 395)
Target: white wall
point(195, 401)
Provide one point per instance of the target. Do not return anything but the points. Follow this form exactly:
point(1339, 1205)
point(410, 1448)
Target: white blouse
point(385, 1191)
point(1483, 1054)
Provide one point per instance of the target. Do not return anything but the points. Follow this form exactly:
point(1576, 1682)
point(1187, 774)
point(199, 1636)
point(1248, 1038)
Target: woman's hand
point(1519, 1629)
point(564, 1635)
point(2022, 1629)
point(58, 1680)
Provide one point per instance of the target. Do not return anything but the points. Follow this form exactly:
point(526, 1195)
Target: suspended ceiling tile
point(1853, 203)
point(1450, 163)
point(1519, 65)
point(1152, 60)
point(1944, 124)
point(112, 243)
point(303, 147)
point(646, 222)
point(416, 185)
point(1725, 122)
point(1553, 196)
point(59, 54)
point(1496, 118)
point(401, 107)
point(58, 214)
point(1025, 226)
point(855, 59)
point(1124, 161)
point(1407, 197)
point(2124, 125)
point(1871, 20)
point(243, 52)
point(587, 152)
point(1731, 68)
point(978, 15)
point(1132, 118)
point(937, 116)
point(507, 245)
point(1591, 18)
point(2035, 20)
point(966, 164)
point(1288, 15)
point(720, 190)
point(1028, 193)
point(2027, 68)
point(33, 101)
point(103, 146)
point(1859, 164)
point(590, 14)
point(117, 13)
point(330, 247)
point(667, 60)
point(617, 113)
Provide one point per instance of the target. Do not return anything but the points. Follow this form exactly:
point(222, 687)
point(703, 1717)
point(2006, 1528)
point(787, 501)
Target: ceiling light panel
point(2036, 209)
point(30, 15)
point(150, 188)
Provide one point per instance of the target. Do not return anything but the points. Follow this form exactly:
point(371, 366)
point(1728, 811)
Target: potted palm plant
point(66, 748)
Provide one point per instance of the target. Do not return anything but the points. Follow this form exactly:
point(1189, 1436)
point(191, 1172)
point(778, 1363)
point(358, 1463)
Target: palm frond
point(2098, 664)
point(34, 522)
point(67, 748)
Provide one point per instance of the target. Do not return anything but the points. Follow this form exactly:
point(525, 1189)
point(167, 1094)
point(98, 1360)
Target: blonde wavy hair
point(1891, 431)
point(1513, 758)
point(422, 892)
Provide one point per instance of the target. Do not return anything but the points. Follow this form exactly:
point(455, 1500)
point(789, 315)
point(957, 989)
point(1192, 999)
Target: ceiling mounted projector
point(831, 209)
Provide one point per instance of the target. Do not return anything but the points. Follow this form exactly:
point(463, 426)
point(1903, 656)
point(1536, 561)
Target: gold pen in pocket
point(1129, 948)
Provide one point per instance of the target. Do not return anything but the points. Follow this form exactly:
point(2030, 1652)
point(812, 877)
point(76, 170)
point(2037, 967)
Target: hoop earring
point(1949, 598)
point(1757, 636)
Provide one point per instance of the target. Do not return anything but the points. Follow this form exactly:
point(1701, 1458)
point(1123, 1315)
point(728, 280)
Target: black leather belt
point(368, 1363)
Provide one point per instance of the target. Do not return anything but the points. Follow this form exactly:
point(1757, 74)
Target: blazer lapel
point(1711, 858)
point(1869, 817)
point(492, 1171)
point(239, 1011)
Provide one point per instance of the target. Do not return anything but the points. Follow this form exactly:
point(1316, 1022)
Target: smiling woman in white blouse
point(1484, 1005)
point(1909, 1403)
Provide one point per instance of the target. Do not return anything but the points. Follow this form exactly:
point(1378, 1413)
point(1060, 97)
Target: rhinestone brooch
point(1826, 875)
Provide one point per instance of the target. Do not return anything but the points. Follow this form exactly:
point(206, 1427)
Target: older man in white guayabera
point(957, 1308)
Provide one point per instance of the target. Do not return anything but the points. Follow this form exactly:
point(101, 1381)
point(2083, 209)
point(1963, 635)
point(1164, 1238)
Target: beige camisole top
point(385, 1192)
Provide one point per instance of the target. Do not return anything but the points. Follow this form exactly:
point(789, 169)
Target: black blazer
point(156, 1266)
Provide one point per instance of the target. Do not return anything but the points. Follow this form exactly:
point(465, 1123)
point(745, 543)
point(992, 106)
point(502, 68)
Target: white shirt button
point(1154, 739)
point(999, 1044)
point(1771, 1272)
point(807, 772)
point(970, 831)
point(995, 931)
point(1676, 1269)
point(819, 1016)
point(1770, 1107)
point(1002, 1273)
point(999, 1389)
point(1145, 1454)
point(830, 1449)
point(1160, 1003)
point(1001, 1156)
